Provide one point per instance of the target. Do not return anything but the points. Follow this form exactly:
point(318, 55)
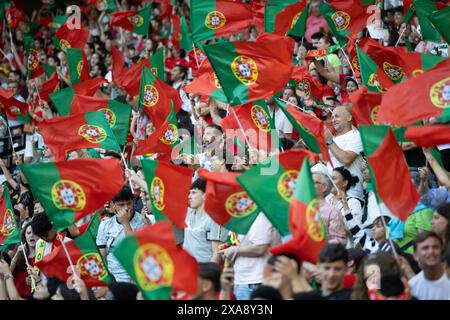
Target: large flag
point(9, 230)
point(227, 203)
point(49, 86)
point(130, 79)
point(420, 62)
point(71, 190)
point(118, 63)
point(421, 98)
point(181, 38)
point(271, 185)
point(155, 262)
point(255, 120)
point(33, 66)
point(365, 106)
point(283, 22)
point(86, 258)
point(157, 64)
point(155, 97)
point(63, 98)
point(310, 128)
point(345, 17)
point(388, 170)
point(428, 136)
point(308, 233)
point(218, 18)
point(168, 187)
point(79, 131)
point(307, 84)
point(78, 65)
point(439, 20)
point(13, 108)
point(423, 9)
point(118, 114)
point(71, 38)
point(135, 21)
point(249, 71)
point(107, 6)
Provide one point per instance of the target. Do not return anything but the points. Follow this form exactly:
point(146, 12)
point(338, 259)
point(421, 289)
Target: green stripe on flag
point(372, 137)
point(149, 168)
point(62, 99)
point(157, 62)
point(97, 118)
point(122, 114)
point(440, 20)
point(199, 11)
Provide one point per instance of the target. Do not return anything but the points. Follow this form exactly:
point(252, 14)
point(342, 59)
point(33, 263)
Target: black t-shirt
point(343, 294)
point(415, 157)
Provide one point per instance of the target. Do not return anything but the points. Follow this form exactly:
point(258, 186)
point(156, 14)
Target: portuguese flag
point(118, 114)
point(439, 20)
point(421, 98)
point(308, 233)
point(256, 122)
point(285, 20)
point(250, 71)
point(167, 182)
point(420, 62)
point(310, 128)
point(129, 79)
point(206, 83)
point(157, 64)
point(33, 66)
point(78, 65)
point(365, 106)
point(67, 38)
point(424, 9)
point(227, 203)
point(9, 230)
point(162, 140)
point(155, 96)
point(388, 170)
point(63, 98)
point(118, 63)
point(71, 190)
point(271, 185)
point(180, 34)
point(49, 86)
point(79, 131)
point(86, 258)
point(345, 17)
point(428, 136)
point(218, 18)
point(13, 108)
point(155, 262)
point(135, 21)
point(107, 6)
point(307, 84)
point(323, 52)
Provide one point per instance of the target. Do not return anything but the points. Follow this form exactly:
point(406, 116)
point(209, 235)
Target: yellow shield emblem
point(260, 118)
point(239, 205)
point(93, 134)
point(341, 20)
point(67, 194)
point(110, 116)
point(440, 93)
point(151, 95)
point(157, 190)
point(392, 71)
point(171, 134)
point(313, 221)
point(286, 184)
point(8, 224)
point(91, 265)
point(245, 70)
point(215, 20)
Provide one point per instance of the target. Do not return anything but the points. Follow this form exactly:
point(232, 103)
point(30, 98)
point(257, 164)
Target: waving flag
point(33, 66)
point(130, 79)
point(180, 37)
point(283, 21)
point(365, 106)
point(135, 21)
point(49, 86)
point(13, 108)
point(306, 83)
point(428, 136)
point(71, 190)
point(9, 230)
point(71, 38)
point(439, 20)
point(78, 65)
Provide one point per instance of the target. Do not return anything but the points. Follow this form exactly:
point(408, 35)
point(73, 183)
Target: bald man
point(346, 148)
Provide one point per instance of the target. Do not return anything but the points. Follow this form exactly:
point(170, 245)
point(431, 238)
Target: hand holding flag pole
point(33, 281)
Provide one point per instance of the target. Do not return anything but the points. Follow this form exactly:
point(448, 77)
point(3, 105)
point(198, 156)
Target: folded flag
point(71, 38)
point(78, 65)
point(33, 66)
point(9, 230)
point(428, 136)
point(365, 106)
point(135, 21)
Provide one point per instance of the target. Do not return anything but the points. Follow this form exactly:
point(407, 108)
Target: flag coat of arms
point(135, 21)
point(9, 230)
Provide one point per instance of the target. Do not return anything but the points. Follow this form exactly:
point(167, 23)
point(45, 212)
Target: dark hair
point(199, 184)
point(286, 144)
point(68, 294)
point(123, 290)
point(356, 255)
point(317, 35)
point(391, 285)
point(348, 79)
point(124, 195)
point(215, 126)
point(211, 271)
point(271, 261)
point(41, 224)
point(444, 210)
point(423, 236)
point(266, 293)
point(378, 219)
point(5, 257)
point(21, 263)
point(447, 256)
point(183, 70)
point(333, 252)
point(351, 180)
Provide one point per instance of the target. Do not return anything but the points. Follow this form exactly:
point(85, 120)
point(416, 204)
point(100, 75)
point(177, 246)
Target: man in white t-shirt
point(432, 283)
point(346, 148)
point(250, 256)
point(282, 123)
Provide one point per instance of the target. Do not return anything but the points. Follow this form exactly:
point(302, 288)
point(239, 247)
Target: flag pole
point(33, 282)
point(195, 55)
point(126, 166)
point(400, 36)
point(239, 124)
point(349, 63)
point(385, 227)
point(68, 258)
point(296, 106)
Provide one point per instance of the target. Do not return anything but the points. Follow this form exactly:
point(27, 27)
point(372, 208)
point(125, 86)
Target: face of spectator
point(315, 8)
point(341, 119)
point(322, 44)
point(87, 49)
point(378, 231)
point(399, 18)
point(210, 135)
point(351, 87)
point(124, 205)
point(14, 86)
point(428, 253)
point(439, 224)
point(365, 171)
point(176, 73)
point(319, 186)
point(287, 93)
point(30, 237)
point(332, 274)
point(51, 61)
point(339, 180)
point(13, 77)
point(95, 59)
point(196, 198)
point(292, 100)
point(315, 43)
point(314, 74)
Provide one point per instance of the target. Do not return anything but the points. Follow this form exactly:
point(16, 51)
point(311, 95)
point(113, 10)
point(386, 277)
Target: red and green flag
point(49, 86)
point(79, 131)
point(135, 21)
point(181, 39)
point(345, 17)
point(310, 128)
point(389, 170)
point(33, 66)
point(155, 262)
point(424, 9)
point(167, 182)
point(71, 38)
point(290, 20)
point(86, 259)
point(420, 62)
point(420, 98)
point(307, 84)
point(271, 184)
point(9, 230)
point(439, 20)
point(118, 63)
point(156, 98)
point(63, 98)
point(365, 106)
point(428, 136)
point(117, 114)
point(323, 52)
point(107, 6)
point(71, 190)
point(227, 203)
point(130, 79)
point(13, 108)
point(218, 18)
point(255, 120)
point(307, 230)
point(78, 65)
point(250, 71)
point(157, 64)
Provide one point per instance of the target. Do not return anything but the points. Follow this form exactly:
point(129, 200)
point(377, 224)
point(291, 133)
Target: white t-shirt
point(350, 141)
point(282, 123)
point(424, 289)
point(249, 270)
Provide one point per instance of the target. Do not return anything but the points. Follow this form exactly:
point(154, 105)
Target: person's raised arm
point(331, 76)
point(6, 273)
point(8, 175)
point(442, 175)
point(346, 157)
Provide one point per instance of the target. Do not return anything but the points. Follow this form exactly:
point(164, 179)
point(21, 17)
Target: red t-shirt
point(19, 279)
